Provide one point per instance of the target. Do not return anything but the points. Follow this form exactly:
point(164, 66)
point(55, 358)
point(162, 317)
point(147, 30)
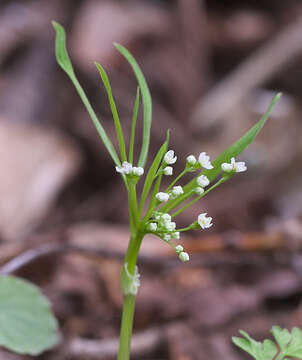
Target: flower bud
point(184, 256)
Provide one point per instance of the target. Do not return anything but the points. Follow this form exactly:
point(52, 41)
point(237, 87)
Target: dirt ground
point(212, 67)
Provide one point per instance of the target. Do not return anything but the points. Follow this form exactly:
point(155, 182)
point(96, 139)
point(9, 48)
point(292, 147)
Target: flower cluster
point(160, 223)
point(128, 169)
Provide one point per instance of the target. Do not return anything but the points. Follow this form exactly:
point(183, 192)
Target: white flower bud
point(179, 248)
point(177, 190)
point(175, 235)
point(199, 190)
point(162, 197)
point(191, 160)
point(167, 237)
point(137, 171)
point(204, 161)
point(170, 226)
point(166, 217)
point(169, 157)
point(203, 181)
point(226, 167)
point(168, 170)
point(204, 221)
point(183, 256)
point(152, 226)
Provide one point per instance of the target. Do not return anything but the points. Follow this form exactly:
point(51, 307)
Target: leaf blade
point(27, 325)
point(147, 102)
point(64, 61)
point(116, 119)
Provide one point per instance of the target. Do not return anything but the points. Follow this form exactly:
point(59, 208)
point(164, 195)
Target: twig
point(142, 343)
point(254, 71)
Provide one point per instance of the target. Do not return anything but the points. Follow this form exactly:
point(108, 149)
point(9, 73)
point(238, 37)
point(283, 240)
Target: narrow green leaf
point(233, 151)
point(133, 125)
point(116, 118)
point(64, 61)
point(27, 325)
point(152, 172)
point(146, 97)
point(61, 52)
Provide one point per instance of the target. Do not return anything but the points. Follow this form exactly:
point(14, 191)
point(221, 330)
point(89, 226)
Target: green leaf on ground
point(27, 325)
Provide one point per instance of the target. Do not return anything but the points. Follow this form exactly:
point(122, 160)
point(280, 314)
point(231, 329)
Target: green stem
point(176, 179)
point(222, 180)
point(126, 327)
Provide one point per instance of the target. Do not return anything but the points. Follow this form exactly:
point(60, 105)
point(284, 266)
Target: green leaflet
point(147, 102)
point(152, 171)
point(116, 119)
point(233, 151)
point(27, 325)
point(290, 344)
point(64, 61)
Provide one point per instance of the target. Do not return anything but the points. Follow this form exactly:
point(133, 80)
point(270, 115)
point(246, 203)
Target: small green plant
point(289, 344)
point(154, 210)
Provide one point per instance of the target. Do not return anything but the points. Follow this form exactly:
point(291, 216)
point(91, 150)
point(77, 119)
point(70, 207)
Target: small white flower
point(126, 168)
point(167, 237)
point(168, 170)
point(199, 190)
point(175, 235)
point(166, 217)
point(169, 157)
point(137, 171)
point(184, 256)
point(203, 181)
point(204, 221)
point(152, 226)
point(191, 160)
point(204, 161)
point(179, 248)
point(177, 190)
point(170, 226)
point(162, 197)
point(234, 166)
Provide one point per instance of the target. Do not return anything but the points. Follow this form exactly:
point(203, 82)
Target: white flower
point(170, 226)
point(175, 235)
point(167, 237)
point(204, 221)
point(152, 226)
point(204, 161)
point(179, 248)
point(177, 190)
point(191, 160)
point(234, 166)
point(184, 256)
point(126, 168)
point(166, 217)
point(137, 171)
point(199, 190)
point(203, 181)
point(169, 157)
point(168, 170)
point(162, 197)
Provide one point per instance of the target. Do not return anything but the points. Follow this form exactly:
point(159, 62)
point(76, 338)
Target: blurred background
point(213, 68)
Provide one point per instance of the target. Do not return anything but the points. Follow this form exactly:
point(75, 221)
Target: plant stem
point(126, 327)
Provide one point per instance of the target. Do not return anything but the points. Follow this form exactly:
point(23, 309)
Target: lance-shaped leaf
point(233, 151)
point(65, 63)
point(147, 102)
point(27, 325)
